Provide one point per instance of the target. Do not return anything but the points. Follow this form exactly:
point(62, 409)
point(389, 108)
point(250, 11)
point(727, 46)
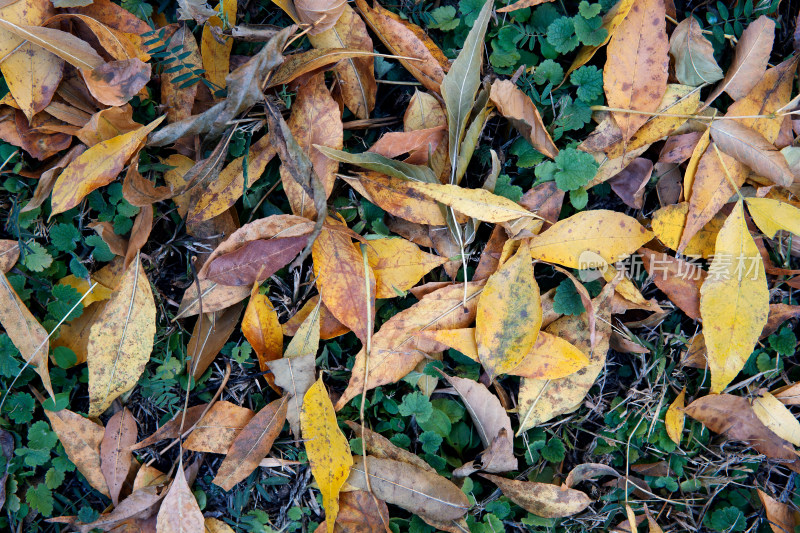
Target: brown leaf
point(209, 337)
point(405, 39)
point(140, 232)
point(179, 512)
point(679, 148)
point(116, 244)
point(678, 279)
point(294, 375)
point(397, 197)
point(255, 261)
point(519, 109)
point(359, 512)
point(48, 178)
point(635, 74)
point(295, 65)
point(733, 416)
point(587, 471)
point(30, 136)
point(116, 82)
point(343, 281)
point(522, 4)
point(489, 417)
point(81, 439)
point(107, 124)
point(320, 14)
point(629, 184)
point(750, 60)
point(542, 499)
point(417, 143)
point(214, 297)
point(314, 105)
point(750, 148)
point(780, 516)
point(694, 54)
point(9, 253)
point(115, 451)
point(355, 75)
point(140, 505)
point(418, 491)
point(140, 191)
point(252, 444)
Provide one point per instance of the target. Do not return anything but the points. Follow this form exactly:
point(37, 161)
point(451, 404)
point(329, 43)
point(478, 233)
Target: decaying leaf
point(519, 109)
point(121, 340)
point(542, 499)
point(694, 54)
point(179, 512)
point(327, 448)
point(115, 451)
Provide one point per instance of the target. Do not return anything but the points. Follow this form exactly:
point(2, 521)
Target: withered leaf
point(255, 261)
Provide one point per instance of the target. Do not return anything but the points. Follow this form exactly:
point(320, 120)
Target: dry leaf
point(750, 148)
point(327, 448)
point(179, 512)
point(294, 375)
point(255, 261)
point(673, 420)
point(694, 54)
point(177, 98)
point(780, 516)
point(475, 203)
point(115, 451)
point(121, 340)
point(611, 21)
point(116, 82)
point(550, 357)
point(635, 74)
point(519, 109)
point(777, 417)
point(398, 265)
point(261, 328)
point(678, 279)
point(215, 48)
point(359, 512)
point(542, 499)
point(668, 225)
point(252, 444)
point(216, 431)
point(734, 301)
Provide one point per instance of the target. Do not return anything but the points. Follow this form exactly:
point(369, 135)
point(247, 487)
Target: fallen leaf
point(522, 4)
point(121, 340)
point(355, 75)
point(398, 265)
point(733, 416)
point(295, 65)
point(418, 143)
point(97, 166)
point(630, 182)
point(673, 420)
point(346, 285)
point(115, 451)
point(598, 233)
point(25, 332)
point(81, 439)
point(214, 298)
point(395, 347)
point(116, 82)
point(734, 301)
point(489, 417)
point(678, 279)
point(749, 61)
point(550, 357)
point(750, 148)
point(475, 203)
point(542, 499)
point(197, 10)
point(261, 328)
point(254, 262)
point(141, 192)
point(407, 40)
point(140, 232)
point(694, 54)
point(543, 399)
point(313, 105)
point(399, 198)
point(668, 224)
point(519, 109)
point(320, 15)
point(586, 471)
point(777, 417)
point(178, 98)
point(418, 491)
point(216, 431)
point(213, 525)
point(635, 73)
point(9, 253)
point(611, 21)
point(772, 216)
point(329, 327)
point(359, 512)
point(509, 315)
point(327, 448)
point(215, 48)
point(694, 161)
point(179, 511)
point(294, 375)
point(251, 445)
point(75, 51)
point(780, 516)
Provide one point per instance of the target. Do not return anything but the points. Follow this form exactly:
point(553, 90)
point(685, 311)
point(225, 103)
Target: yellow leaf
point(734, 300)
point(398, 265)
point(25, 332)
point(97, 166)
point(327, 448)
point(462, 339)
point(551, 357)
point(637, 65)
point(673, 420)
point(213, 525)
point(216, 55)
point(599, 233)
point(611, 22)
point(98, 294)
point(694, 161)
point(777, 417)
point(81, 439)
point(261, 328)
point(306, 340)
point(476, 203)
point(668, 224)
point(509, 315)
point(121, 340)
point(773, 215)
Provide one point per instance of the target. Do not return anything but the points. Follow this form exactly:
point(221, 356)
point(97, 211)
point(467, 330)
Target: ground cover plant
point(458, 266)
